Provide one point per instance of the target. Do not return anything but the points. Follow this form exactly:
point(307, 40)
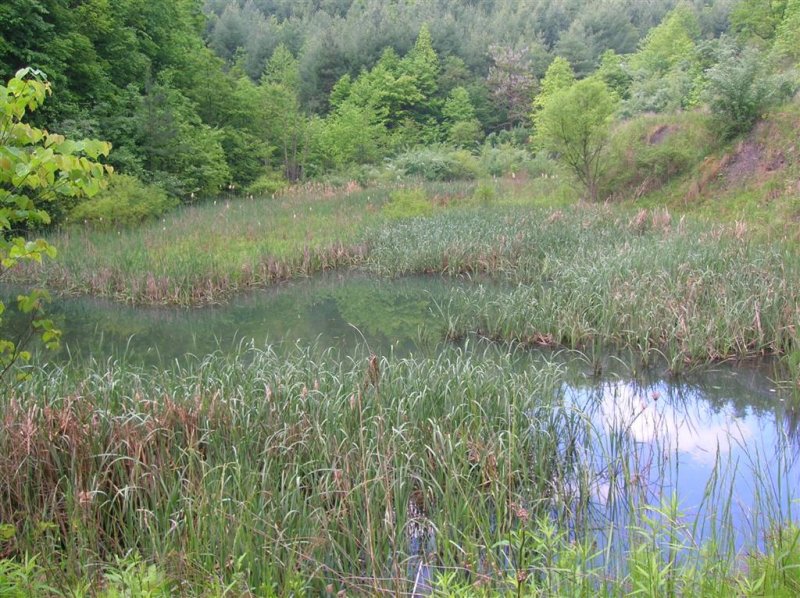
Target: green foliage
point(341, 91)
point(351, 134)
point(388, 91)
point(458, 106)
point(139, 73)
point(184, 155)
point(282, 69)
point(279, 115)
point(22, 580)
point(463, 129)
point(575, 45)
point(465, 133)
point(559, 76)
point(397, 94)
point(740, 89)
point(666, 70)
point(436, 163)
point(130, 577)
point(574, 124)
point(787, 39)
point(125, 201)
point(422, 64)
point(485, 193)
point(668, 45)
point(246, 153)
point(266, 185)
point(36, 168)
point(674, 91)
point(777, 572)
point(408, 203)
point(614, 73)
point(649, 151)
point(757, 20)
point(104, 59)
point(503, 159)
point(247, 141)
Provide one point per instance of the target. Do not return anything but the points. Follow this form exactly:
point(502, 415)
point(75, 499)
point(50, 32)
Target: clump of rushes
point(275, 470)
point(596, 276)
point(308, 474)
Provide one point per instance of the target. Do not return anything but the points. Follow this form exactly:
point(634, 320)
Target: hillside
point(676, 162)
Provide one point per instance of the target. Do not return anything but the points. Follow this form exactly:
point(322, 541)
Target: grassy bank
point(260, 474)
point(753, 179)
point(202, 254)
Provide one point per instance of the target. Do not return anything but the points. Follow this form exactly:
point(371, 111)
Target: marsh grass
point(202, 254)
point(308, 473)
point(577, 276)
point(592, 275)
point(298, 467)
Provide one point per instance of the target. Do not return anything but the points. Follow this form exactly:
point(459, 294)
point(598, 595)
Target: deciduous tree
point(574, 125)
point(36, 168)
point(511, 81)
point(462, 127)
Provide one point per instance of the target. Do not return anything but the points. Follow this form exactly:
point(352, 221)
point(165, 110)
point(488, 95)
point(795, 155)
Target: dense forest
point(247, 94)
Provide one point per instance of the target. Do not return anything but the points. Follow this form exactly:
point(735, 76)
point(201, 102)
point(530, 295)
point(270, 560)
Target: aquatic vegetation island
point(427, 298)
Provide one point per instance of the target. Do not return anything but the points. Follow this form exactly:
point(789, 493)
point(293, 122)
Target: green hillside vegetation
point(229, 95)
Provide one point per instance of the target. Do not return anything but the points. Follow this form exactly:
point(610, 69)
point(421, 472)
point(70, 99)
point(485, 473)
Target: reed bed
point(580, 276)
point(594, 276)
point(264, 473)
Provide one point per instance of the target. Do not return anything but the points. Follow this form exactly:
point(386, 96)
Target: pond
point(720, 436)
point(343, 311)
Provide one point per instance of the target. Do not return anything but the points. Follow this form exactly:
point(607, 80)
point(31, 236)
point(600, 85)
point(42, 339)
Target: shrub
point(740, 89)
point(485, 193)
point(465, 133)
point(518, 136)
point(363, 174)
point(503, 159)
point(267, 184)
point(408, 203)
point(437, 163)
point(543, 165)
point(127, 200)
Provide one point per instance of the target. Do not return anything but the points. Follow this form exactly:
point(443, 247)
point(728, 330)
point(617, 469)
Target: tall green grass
point(201, 254)
point(310, 474)
point(593, 276)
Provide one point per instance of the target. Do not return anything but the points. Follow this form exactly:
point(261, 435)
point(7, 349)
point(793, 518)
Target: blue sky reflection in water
point(721, 440)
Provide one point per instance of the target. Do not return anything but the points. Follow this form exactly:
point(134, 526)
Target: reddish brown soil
point(660, 133)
